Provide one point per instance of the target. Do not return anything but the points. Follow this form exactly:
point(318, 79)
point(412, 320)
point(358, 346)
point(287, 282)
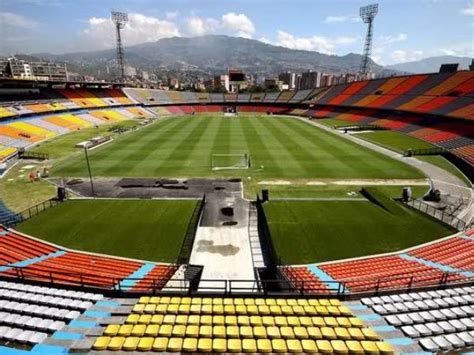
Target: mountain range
point(430, 65)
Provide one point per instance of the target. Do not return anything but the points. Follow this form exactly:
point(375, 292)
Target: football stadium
point(333, 219)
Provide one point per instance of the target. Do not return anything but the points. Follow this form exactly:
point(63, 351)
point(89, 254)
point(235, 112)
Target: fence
point(33, 155)
point(188, 241)
point(441, 215)
point(14, 219)
point(427, 151)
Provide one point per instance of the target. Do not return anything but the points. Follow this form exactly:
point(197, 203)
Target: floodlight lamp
point(119, 18)
point(367, 13)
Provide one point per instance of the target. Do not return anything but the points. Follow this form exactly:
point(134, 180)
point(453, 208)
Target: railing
point(188, 241)
point(441, 215)
point(427, 151)
point(33, 155)
point(14, 219)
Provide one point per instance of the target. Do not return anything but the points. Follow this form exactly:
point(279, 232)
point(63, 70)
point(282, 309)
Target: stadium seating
point(247, 325)
point(441, 320)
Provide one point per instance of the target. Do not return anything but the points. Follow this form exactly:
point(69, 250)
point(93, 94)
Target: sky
point(404, 30)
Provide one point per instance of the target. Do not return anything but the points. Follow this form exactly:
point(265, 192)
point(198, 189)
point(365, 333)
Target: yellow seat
point(165, 300)
point(309, 346)
point(240, 309)
point(252, 310)
point(356, 322)
point(234, 345)
point(342, 333)
point(322, 310)
point(206, 300)
point(161, 308)
point(270, 302)
point(256, 321)
point(385, 348)
point(186, 300)
point(356, 333)
point(195, 309)
point(145, 344)
point(246, 332)
point(160, 344)
point(157, 319)
point(192, 331)
point(370, 347)
point(263, 310)
point(175, 344)
point(313, 302)
point(268, 321)
point(218, 320)
point(279, 346)
point(345, 311)
point(310, 310)
point(287, 310)
point(131, 343)
point(219, 331)
point(116, 343)
point(300, 332)
point(354, 347)
point(318, 321)
point(230, 320)
point(339, 347)
point(152, 330)
point(150, 308)
point(190, 344)
point(138, 330)
point(370, 334)
point(205, 345)
point(324, 302)
point(228, 301)
point(232, 331)
point(238, 301)
point(125, 330)
point(132, 319)
point(144, 319)
point(178, 330)
point(165, 330)
point(196, 300)
point(175, 300)
point(260, 301)
point(249, 301)
point(281, 302)
point(294, 346)
point(333, 310)
point(335, 302)
point(243, 320)
point(273, 332)
point(112, 329)
point(172, 309)
point(298, 310)
point(276, 310)
point(287, 332)
point(144, 299)
point(281, 321)
point(306, 322)
point(328, 333)
point(331, 322)
point(206, 309)
point(206, 320)
point(219, 345)
point(324, 346)
point(229, 309)
point(154, 300)
point(249, 346)
point(205, 331)
point(259, 332)
point(169, 319)
point(184, 309)
point(101, 343)
point(302, 302)
point(293, 321)
point(217, 300)
point(264, 346)
point(181, 319)
point(194, 320)
point(343, 322)
point(138, 308)
point(314, 333)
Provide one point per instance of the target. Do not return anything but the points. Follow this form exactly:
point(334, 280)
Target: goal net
point(230, 161)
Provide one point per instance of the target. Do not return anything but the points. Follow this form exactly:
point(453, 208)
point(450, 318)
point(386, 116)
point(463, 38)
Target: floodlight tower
point(367, 14)
point(120, 19)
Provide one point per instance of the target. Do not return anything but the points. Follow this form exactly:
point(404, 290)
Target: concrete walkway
point(450, 186)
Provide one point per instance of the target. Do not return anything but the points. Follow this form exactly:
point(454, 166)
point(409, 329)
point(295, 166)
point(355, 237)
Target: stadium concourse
point(231, 294)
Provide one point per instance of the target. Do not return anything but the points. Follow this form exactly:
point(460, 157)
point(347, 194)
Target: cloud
point(342, 18)
point(401, 56)
point(239, 23)
point(171, 15)
point(468, 10)
point(197, 26)
point(385, 40)
point(100, 32)
point(462, 49)
point(322, 44)
point(17, 21)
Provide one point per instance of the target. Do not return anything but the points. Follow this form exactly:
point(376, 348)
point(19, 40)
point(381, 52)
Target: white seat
point(411, 306)
point(378, 308)
point(415, 317)
point(441, 341)
point(396, 298)
point(24, 336)
point(455, 341)
point(12, 334)
point(415, 296)
point(438, 315)
point(427, 316)
point(405, 319)
point(422, 330)
point(44, 324)
point(427, 295)
point(469, 298)
point(376, 300)
point(421, 305)
point(429, 345)
point(468, 322)
point(466, 338)
point(33, 322)
point(72, 315)
point(386, 299)
point(410, 331)
point(37, 338)
point(458, 312)
point(442, 293)
point(434, 328)
point(85, 305)
point(406, 297)
point(448, 313)
point(400, 307)
point(3, 331)
point(393, 320)
point(61, 313)
point(461, 300)
point(431, 304)
point(22, 320)
point(447, 328)
point(460, 327)
point(390, 309)
point(450, 302)
point(56, 325)
point(11, 318)
point(75, 304)
point(468, 309)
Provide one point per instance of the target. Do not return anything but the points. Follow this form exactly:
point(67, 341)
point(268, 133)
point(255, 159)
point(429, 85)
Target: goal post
point(234, 161)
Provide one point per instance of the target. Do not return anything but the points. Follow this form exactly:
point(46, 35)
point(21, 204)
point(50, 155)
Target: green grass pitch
point(279, 147)
point(142, 229)
point(316, 231)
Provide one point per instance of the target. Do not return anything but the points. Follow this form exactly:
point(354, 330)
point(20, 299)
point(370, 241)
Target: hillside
point(430, 65)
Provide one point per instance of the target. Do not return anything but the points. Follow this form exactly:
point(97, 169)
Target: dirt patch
point(394, 182)
point(275, 182)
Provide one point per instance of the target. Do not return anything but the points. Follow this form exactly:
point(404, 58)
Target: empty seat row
point(237, 345)
point(431, 316)
point(448, 342)
point(435, 303)
point(41, 311)
point(35, 323)
point(44, 299)
point(439, 327)
point(86, 296)
point(21, 336)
